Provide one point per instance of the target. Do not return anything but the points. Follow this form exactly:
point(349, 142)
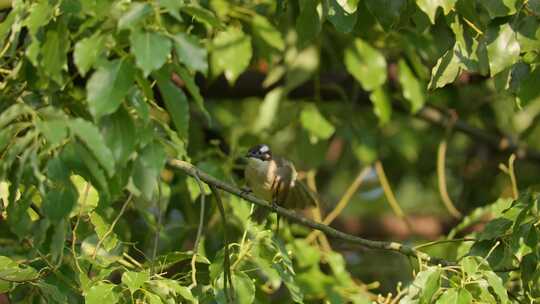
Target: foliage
point(97, 95)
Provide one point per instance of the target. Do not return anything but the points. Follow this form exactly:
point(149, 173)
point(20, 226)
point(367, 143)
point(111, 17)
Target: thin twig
point(158, 226)
point(226, 258)
point(441, 176)
point(111, 228)
point(343, 202)
point(444, 241)
point(199, 233)
point(390, 197)
point(512, 174)
point(291, 215)
point(74, 230)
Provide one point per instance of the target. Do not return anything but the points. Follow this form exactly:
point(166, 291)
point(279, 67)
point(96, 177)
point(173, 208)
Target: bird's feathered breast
point(263, 178)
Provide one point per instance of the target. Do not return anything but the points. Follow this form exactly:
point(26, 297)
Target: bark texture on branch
point(292, 216)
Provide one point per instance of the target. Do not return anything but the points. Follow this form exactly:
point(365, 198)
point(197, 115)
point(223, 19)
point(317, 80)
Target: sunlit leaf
point(135, 280)
point(231, 53)
point(313, 121)
point(382, 104)
point(366, 64)
point(445, 71)
point(430, 7)
point(502, 48)
point(266, 31)
point(412, 88)
point(343, 20)
point(101, 293)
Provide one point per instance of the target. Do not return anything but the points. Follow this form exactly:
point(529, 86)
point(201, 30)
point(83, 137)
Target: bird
point(274, 179)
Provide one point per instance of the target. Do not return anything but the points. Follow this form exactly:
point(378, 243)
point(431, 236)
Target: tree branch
point(250, 84)
point(392, 246)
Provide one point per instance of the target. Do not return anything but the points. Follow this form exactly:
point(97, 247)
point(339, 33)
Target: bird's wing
point(300, 196)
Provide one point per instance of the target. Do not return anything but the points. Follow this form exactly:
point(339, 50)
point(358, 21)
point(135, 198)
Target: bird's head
point(260, 152)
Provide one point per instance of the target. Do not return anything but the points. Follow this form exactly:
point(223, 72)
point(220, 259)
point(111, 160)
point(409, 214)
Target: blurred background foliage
point(427, 98)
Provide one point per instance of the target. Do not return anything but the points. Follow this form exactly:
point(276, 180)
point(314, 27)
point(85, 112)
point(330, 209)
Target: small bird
point(274, 179)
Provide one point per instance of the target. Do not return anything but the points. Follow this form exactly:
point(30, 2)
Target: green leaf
point(175, 102)
point(244, 289)
point(231, 53)
point(203, 15)
point(308, 23)
point(432, 284)
point(136, 13)
point(88, 195)
point(268, 109)
point(342, 20)
point(430, 7)
point(496, 283)
point(101, 226)
point(12, 271)
point(445, 71)
point(365, 148)
point(288, 278)
point(193, 89)
point(528, 34)
point(138, 101)
point(500, 8)
point(147, 168)
point(59, 201)
point(313, 121)
point(150, 49)
point(190, 52)
point(13, 112)
point(101, 293)
point(108, 85)
point(172, 7)
point(93, 140)
point(382, 104)
point(266, 31)
point(54, 51)
point(502, 48)
point(120, 135)
point(495, 229)
point(534, 6)
point(412, 89)
point(152, 298)
point(54, 130)
point(58, 240)
point(387, 12)
point(450, 296)
point(40, 13)
point(529, 89)
point(5, 286)
point(135, 279)
point(52, 293)
point(87, 51)
point(301, 67)
point(366, 64)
